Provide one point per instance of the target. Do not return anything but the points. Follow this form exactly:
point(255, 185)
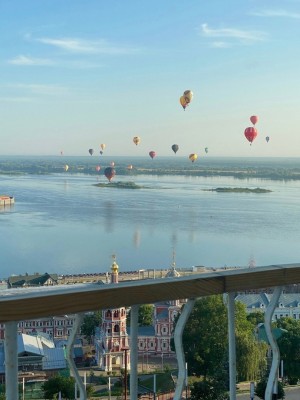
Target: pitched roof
point(31, 280)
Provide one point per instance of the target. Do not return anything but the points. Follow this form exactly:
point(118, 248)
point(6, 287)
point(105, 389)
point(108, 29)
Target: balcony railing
point(31, 303)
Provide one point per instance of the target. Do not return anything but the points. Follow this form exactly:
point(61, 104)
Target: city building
point(288, 304)
point(36, 279)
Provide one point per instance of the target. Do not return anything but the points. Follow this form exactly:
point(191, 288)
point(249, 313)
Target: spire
point(114, 270)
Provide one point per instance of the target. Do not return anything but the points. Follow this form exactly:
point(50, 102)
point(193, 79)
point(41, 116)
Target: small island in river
point(120, 185)
point(238, 190)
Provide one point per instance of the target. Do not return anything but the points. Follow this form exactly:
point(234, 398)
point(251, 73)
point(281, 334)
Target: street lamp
point(125, 349)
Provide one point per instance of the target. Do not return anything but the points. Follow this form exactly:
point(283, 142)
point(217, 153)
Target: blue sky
point(75, 74)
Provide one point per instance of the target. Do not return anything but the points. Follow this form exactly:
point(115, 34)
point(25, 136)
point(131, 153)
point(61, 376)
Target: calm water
point(62, 223)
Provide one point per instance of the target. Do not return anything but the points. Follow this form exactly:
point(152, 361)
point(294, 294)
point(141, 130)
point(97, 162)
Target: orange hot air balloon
point(97, 168)
point(254, 119)
point(152, 154)
point(183, 102)
point(193, 157)
point(136, 140)
point(109, 172)
point(250, 134)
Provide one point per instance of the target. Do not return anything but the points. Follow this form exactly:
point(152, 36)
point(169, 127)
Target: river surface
point(63, 223)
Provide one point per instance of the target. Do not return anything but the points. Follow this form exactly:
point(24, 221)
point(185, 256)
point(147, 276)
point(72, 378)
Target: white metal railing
point(30, 303)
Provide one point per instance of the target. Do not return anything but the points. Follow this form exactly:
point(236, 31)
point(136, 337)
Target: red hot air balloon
point(254, 119)
point(152, 154)
point(97, 168)
point(109, 172)
point(250, 134)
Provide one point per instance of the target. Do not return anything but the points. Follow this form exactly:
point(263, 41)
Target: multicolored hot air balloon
point(136, 140)
point(188, 95)
point(109, 172)
point(193, 157)
point(152, 154)
point(129, 167)
point(175, 148)
point(91, 151)
point(250, 134)
point(254, 119)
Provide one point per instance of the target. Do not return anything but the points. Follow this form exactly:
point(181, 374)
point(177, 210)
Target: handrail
point(30, 303)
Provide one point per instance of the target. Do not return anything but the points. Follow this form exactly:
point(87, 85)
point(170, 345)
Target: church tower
point(112, 344)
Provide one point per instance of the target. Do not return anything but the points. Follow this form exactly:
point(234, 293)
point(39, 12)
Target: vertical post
point(125, 373)
point(134, 352)
point(272, 384)
point(252, 387)
point(109, 388)
point(154, 387)
point(23, 388)
point(232, 349)
point(11, 360)
point(186, 381)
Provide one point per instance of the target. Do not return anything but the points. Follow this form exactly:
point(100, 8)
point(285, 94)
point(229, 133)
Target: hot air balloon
point(193, 157)
point(188, 95)
point(66, 167)
point(61, 153)
point(267, 139)
point(102, 145)
point(183, 102)
point(250, 134)
point(136, 140)
point(101, 152)
point(109, 172)
point(112, 164)
point(206, 150)
point(97, 168)
point(129, 167)
point(175, 148)
point(152, 154)
point(254, 119)
point(91, 151)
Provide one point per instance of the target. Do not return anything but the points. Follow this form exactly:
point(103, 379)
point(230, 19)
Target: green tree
point(261, 388)
point(209, 389)
point(90, 322)
point(145, 315)
point(289, 347)
point(205, 340)
point(256, 317)
point(57, 384)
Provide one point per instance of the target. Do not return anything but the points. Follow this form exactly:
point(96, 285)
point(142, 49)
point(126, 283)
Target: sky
point(78, 73)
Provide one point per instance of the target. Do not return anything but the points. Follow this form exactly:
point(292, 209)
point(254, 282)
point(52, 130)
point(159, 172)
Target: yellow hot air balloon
point(102, 145)
point(136, 140)
point(66, 167)
point(183, 102)
point(193, 157)
point(188, 95)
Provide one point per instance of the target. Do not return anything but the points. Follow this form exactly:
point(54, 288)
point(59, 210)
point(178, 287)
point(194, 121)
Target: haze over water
point(62, 223)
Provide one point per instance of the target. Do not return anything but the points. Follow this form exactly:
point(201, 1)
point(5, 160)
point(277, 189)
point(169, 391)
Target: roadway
point(292, 393)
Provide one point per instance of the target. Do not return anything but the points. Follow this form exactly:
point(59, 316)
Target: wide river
point(63, 223)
